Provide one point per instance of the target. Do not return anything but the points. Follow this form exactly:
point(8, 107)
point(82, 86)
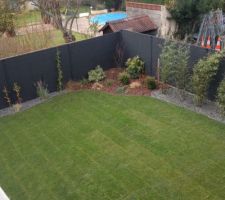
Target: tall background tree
point(188, 13)
point(51, 12)
point(7, 17)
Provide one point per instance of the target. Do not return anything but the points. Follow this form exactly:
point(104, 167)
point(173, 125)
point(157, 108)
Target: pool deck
point(83, 26)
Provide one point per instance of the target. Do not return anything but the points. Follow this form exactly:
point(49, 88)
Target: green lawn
point(91, 145)
point(59, 40)
point(28, 17)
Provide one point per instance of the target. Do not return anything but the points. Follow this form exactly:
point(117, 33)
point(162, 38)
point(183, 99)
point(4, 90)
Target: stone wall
point(158, 14)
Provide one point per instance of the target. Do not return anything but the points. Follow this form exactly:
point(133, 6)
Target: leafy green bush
point(151, 83)
point(174, 65)
point(124, 78)
point(221, 97)
point(96, 74)
point(84, 81)
point(204, 72)
point(135, 66)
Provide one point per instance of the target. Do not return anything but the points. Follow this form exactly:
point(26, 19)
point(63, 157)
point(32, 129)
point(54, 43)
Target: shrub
point(96, 74)
point(204, 72)
point(121, 90)
point(42, 90)
point(6, 96)
point(17, 90)
point(151, 83)
point(109, 82)
point(17, 107)
point(135, 66)
point(174, 65)
point(221, 97)
point(84, 81)
point(124, 78)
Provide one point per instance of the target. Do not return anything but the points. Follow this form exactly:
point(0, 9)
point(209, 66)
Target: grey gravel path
point(209, 109)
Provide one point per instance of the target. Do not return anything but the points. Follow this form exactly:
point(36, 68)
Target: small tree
point(167, 61)
point(6, 96)
point(7, 22)
point(204, 72)
point(174, 65)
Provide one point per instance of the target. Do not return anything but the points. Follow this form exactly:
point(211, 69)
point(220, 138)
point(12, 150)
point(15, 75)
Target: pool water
point(103, 18)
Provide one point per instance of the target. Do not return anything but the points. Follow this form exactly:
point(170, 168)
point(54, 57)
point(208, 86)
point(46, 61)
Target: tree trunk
point(55, 10)
point(45, 18)
point(50, 10)
point(45, 8)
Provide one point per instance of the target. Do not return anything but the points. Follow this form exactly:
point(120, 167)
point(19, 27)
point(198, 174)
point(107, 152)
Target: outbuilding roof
point(137, 24)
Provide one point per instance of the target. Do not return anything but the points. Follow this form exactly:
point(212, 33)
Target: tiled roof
point(137, 24)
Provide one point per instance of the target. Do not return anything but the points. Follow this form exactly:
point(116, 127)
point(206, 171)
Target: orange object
point(208, 46)
point(203, 42)
point(218, 45)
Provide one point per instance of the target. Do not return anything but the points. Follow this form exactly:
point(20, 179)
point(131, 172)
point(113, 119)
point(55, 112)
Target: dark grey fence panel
point(137, 44)
point(87, 54)
point(197, 53)
point(76, 58)
point(2, 85)
point(27, 69)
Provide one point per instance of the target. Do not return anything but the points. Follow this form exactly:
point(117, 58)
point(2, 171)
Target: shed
point(140, 24)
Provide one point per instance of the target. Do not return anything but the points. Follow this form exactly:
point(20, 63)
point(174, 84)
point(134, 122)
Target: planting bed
point(111, 83)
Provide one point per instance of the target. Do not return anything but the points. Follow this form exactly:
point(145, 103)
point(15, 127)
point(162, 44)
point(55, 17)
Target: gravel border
point(209, 108)
point(29, 104)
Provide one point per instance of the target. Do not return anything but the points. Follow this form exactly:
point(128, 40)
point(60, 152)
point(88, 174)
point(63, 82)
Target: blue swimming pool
point(103, 18)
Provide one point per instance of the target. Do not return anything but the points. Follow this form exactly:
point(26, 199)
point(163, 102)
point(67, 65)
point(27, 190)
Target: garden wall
point(77, 59)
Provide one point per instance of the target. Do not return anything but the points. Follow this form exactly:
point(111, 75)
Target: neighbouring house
point(158, 14)
point(140, 24)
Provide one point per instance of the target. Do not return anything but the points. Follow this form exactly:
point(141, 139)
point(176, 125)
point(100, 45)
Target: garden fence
point(80, 57)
